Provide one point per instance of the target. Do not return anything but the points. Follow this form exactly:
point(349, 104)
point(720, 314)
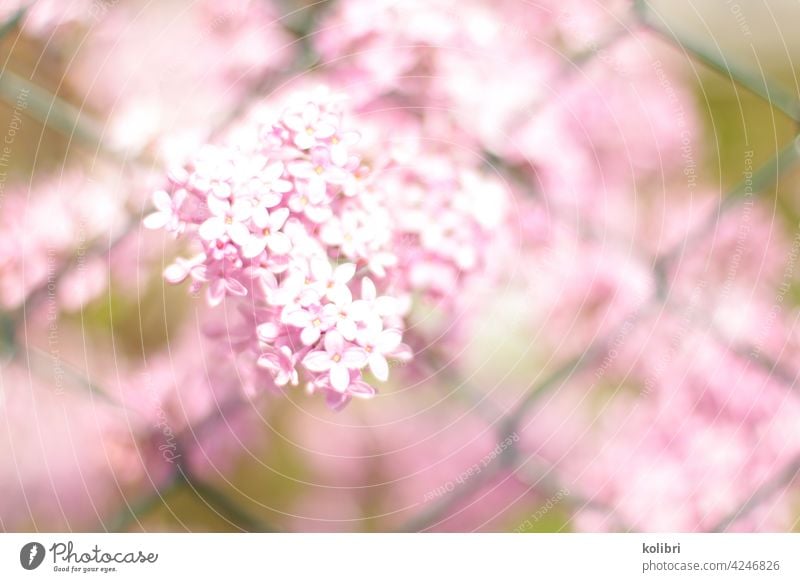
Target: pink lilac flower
point(256, 207)
point(270, 235)
point(337, 359)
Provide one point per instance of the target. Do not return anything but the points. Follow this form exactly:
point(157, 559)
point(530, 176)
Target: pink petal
point(334, 342)
point(354, 358)
point(234, 287)
point(268, 361)
point(318, 361)
point(216, 292)
point(361, 389)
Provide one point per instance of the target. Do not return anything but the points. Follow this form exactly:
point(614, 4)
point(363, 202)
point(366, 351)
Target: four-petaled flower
point(268, 233)
point(167, 211)
point(337, 359)
point(310, 126)
point(318, 172)
point(379, 343)
point(281, 362)
point(312, 320)
point(227, 219)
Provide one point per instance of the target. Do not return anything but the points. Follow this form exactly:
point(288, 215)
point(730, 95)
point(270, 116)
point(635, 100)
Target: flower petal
point(156, 220)
point(162, 201)
point(344, 272)
point(379, 367)
point(309, 335)
point(239, 233)
point(318, 361)
point(340, 378)
point(347, 327)
point(277, 219)
point(212, 229)
point(334, 342)
point(279, 243)
point(253, 247)
point(354, 358)
point(388, 340)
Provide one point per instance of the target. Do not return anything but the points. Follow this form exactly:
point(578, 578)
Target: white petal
point(212, 229)
point(273, 171)
point(162, 201)
point(216, 206)
point(268, 331)
point(318, 361)
point(347, 328)
point(334, 343)
point(368, 290)
point(241, 210)
point(320, 268)
point(279, 243)
point(156, 220)
point(270, 199)
point(278, 218)
point(354, 358)
point(304, 141)
point(344, 272)
point(379, 367)
point(175, 273)
point(309, 335)
point(388, 340)
point(253, 247)
point(317, 188)
point(340, 378)
point(295, 317)
point(239, 233)
point(261, 217)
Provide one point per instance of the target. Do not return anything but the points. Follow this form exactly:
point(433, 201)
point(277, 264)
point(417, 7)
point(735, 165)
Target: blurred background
point(624, 356)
